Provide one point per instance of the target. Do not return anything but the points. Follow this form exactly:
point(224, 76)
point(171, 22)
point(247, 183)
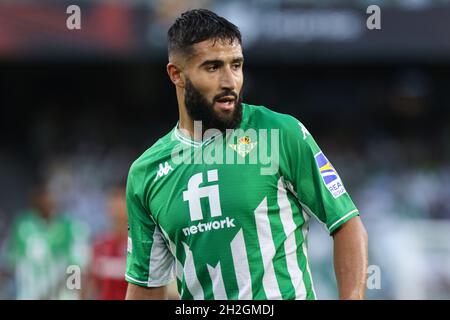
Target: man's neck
point(186, 124)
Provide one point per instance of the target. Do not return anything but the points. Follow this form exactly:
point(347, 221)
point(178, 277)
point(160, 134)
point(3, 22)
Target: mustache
point(226, 93)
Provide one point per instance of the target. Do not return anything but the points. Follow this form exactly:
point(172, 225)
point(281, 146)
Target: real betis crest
point(244, 146)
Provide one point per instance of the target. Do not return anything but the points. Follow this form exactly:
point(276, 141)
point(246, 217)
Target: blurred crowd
point(75, 215)
point(44, 242)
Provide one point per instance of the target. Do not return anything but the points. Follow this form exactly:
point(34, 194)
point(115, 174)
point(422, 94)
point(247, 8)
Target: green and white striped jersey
point(228, 216)
point(40, 251)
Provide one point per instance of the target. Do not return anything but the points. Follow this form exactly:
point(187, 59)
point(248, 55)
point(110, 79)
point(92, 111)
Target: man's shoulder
point(27, 216)
point(262, 117)
point(153, 155)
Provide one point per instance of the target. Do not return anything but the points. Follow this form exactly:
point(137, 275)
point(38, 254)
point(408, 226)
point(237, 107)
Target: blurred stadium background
point(76, 107)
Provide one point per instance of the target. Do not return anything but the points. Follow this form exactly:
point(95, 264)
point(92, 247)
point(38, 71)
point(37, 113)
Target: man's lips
point(226, 98)
point(225, 103)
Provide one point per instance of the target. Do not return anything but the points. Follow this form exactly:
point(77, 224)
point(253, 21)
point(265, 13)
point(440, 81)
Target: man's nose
point(228, 79)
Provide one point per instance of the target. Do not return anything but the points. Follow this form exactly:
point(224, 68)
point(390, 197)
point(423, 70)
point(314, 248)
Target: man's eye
point(236, 66)
point(212, 68)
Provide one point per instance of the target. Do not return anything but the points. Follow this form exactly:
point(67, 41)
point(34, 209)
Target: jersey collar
point(179, 135)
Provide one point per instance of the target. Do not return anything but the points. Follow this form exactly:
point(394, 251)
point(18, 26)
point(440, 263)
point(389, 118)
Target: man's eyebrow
point(240, 60)
point(210, 62)
point(220, 62)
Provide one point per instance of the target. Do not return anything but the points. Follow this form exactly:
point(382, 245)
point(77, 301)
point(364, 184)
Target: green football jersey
point(228, 216)
point(40, 251)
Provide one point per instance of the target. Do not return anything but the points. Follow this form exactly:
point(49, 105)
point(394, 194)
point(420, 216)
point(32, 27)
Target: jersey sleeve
point(149, 260)
point(313, 178)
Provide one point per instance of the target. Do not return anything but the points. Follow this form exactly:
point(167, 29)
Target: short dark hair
point(198, 25)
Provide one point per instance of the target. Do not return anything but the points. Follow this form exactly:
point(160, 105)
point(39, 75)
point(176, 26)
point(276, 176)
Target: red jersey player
point(109, 252)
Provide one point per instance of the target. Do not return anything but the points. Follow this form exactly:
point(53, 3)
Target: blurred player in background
point(42, 244)
point(108, 262)
point(222, 226)
point(109, 252)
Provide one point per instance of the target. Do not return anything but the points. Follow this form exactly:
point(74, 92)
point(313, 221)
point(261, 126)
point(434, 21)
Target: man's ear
point(175, 74)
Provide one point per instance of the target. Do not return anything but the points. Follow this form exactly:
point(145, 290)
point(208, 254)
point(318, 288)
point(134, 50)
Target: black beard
point(199, 109)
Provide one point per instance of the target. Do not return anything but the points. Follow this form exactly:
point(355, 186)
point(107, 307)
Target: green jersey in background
point(40, 252)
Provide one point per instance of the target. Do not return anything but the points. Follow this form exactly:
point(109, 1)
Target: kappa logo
point(304, 131)
point(163, 170)
point(244, 146)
